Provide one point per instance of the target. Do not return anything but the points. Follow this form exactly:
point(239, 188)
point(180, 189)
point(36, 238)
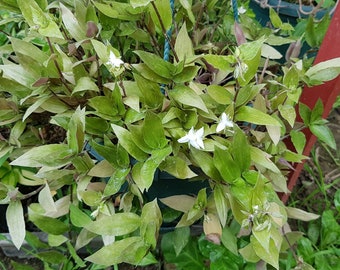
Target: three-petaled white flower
point(225, 121)
point(241, 10)
point(114, 61)
point(194, 138)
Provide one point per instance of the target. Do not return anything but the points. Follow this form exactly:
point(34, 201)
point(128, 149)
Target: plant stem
point(164, 31)
point(34, 192)
point(62, 78)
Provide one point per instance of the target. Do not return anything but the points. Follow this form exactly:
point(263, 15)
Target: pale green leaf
point(157, 64)
point(46, 200)
point(262, 158)
point(186, 96)
point(153, 132)
point(251, 115)
point(71, 24)
point(130, 250)
point(139, 3)
point(324, 134)
point(52, 155)
point(177, 167)
point(221, 204)
point(125, 139)
point(37, 18)
point(116, 224)
point(16, 223)
point(324, 71)
point(300, 214)
point(271, 257)
point(78, 217)
point(183, 44)
point(181, 203)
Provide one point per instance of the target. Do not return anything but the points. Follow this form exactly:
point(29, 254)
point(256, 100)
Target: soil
point(305, 186)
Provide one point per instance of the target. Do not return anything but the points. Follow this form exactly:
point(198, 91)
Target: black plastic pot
point(288, 12)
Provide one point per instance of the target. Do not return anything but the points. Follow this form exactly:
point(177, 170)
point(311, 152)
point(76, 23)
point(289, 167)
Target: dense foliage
point(91, 114)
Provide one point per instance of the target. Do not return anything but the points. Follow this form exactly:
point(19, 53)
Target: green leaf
point(299, 140)
point(165, 14)
point(116, 224)
point(324, 134)
point(46, 200)
point(35, 17)
point(116, 181)
point(337, 200)
point(220, 94)
point(85, 84)
point(221, 204)
point(229, 240)
point(240, 150)
point(28, 49)
point(189, 258)
point(143, 173)
point(78, 217)
point(104, 107)
point(16, 223)
point(181, 203)
point(177, 167)
point(17, 89)
point(262, 158)
point(157, 64)
point(305, 113)
point(288, 113)
point(271, 257)
point(226, 165)
point(48, 224)
point(324, 71)
point(76, 130)
point(186, 96)
point(130, 250)
point(126, 140)
point(300, 214)
point(151, 94)
point(310, 32)
point(139, 3)
point(151, 220)
point(183, 44)
point(330, 231)
point(206, 163)
point(118, 10)
point(52, 155)
point(251, 115)
point(317, 112)
point(71, 24)
point(247, 93)
point(153, 132)
point(73, 252)
point(52, 256)
point(180, 238)
point(275, 18)
point(250, 55)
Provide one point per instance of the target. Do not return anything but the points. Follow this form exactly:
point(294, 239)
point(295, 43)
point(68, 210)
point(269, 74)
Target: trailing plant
point(91, 113)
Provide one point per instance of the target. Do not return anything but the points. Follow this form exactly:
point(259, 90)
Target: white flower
point(114, 60)
point(241, 10)
point(224, 122)
point(194, 138)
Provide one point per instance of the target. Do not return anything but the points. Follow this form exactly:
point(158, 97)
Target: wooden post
point(327, 92)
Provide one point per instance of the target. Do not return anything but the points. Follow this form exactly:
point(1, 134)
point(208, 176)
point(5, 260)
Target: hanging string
point(235, 10)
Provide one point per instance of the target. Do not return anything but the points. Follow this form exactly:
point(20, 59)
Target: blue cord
point(167, 47)
point(235, 10)
point(169, 33)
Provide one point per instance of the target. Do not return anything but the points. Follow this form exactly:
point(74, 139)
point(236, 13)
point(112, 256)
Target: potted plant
point(91, 112)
